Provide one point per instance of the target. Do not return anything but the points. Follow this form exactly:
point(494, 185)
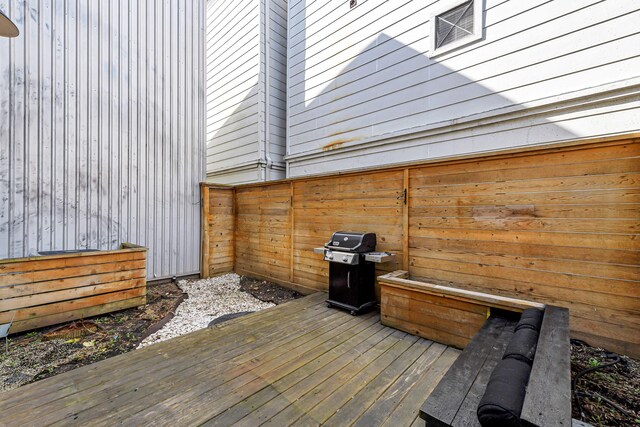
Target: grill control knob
point(345, 258)
point(330, 256)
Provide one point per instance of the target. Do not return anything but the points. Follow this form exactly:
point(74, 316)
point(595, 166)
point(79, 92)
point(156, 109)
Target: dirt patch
point(267, 291)
point(50, 351)
point(607, 395)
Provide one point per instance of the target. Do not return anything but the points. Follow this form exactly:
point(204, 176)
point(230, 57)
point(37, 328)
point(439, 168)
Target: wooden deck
point(299, 363)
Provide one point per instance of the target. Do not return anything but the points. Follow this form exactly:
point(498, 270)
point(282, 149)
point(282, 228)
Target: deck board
point(299, 363)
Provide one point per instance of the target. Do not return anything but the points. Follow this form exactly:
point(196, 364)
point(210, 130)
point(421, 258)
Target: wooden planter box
point(46, 290)
point(444, 314)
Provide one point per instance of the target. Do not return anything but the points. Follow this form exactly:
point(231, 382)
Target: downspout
point(267, 77)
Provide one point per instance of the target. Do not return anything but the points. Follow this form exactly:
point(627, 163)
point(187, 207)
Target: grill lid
point(352, 242)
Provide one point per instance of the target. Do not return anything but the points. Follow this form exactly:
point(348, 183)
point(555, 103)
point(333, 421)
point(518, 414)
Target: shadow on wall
point(235, 141)
point(391, 87)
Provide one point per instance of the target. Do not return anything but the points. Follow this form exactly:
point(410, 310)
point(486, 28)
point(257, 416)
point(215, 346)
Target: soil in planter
point(267, 291)
point(609, 396)
point(49, 351)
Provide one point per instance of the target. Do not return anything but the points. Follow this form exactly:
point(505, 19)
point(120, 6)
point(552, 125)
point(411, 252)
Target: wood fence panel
point(218, 230)
point(555, 227)
point(371, 202)
point(263, 233)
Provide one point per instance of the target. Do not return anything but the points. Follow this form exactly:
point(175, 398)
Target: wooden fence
point(557, 225)
point(46, 290)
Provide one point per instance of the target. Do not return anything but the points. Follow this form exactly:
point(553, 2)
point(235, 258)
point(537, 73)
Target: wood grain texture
point(43, 291)
point(297, 363)
point(548, 398)
point(263, 233)
point(443, 404)
point(218, 228)
point(557, 226)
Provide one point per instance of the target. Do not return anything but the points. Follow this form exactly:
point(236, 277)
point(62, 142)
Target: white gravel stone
point(208, 299)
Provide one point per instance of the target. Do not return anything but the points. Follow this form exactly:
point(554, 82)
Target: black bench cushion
point(522, 345)
point(502, 402)
point(531, 318)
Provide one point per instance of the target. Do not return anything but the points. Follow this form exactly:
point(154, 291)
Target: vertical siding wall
point(101, 128)
point(363, 91)
point(558, 226)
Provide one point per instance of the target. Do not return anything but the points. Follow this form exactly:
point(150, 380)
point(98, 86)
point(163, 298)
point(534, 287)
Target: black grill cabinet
point(351, 277)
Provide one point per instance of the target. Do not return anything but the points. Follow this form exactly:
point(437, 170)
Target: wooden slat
point(28, 276)
point(32, 313)
point(10, 304)
point(94, 309)
point(467, 413)
point(69, 283)
point(50, 262)
point(6, 263)
point(396, 280)
point(204, 230)
point(441, 407)
point(548, 398)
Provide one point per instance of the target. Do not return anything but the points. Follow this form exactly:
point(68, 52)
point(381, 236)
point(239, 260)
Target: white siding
point(362, 90)
point(245, 99)
point(232, 59)
point(101, 129)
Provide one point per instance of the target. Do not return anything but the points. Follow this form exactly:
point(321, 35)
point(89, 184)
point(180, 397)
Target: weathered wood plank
point(407, 412)
point(270, 400)
point(223, 338)
point(466, 416)
point(548, 398)
point(216, 392)
point(443, 403)
point(387, 402)
point(205, 206)
point(284, 365)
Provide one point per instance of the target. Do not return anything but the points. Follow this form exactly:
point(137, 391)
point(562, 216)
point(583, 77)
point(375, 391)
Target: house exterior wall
point(101, 129)
point(232, 83)
point(363, 91)
point(245, 95)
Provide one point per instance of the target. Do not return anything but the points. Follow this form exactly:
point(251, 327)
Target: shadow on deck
point(298, 363)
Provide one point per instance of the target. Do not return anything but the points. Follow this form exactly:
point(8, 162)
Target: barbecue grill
point(352, 272)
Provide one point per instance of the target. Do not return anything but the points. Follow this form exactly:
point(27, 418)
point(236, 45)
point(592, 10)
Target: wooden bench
point(455, 399)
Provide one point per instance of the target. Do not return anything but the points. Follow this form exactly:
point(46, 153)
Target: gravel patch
point(208, 299)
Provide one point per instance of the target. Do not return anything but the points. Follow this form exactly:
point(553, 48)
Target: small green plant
point(31, 335)
point(594, 363)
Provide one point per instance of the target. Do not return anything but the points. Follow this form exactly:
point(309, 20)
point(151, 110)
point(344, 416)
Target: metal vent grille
point(454, 24)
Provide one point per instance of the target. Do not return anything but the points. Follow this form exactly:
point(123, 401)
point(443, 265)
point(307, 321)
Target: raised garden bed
point(50, 289)
point(444, 314)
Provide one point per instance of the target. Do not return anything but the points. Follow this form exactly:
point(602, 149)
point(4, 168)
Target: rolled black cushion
point(522, 345)
point(502, 402)
point(531, 318)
